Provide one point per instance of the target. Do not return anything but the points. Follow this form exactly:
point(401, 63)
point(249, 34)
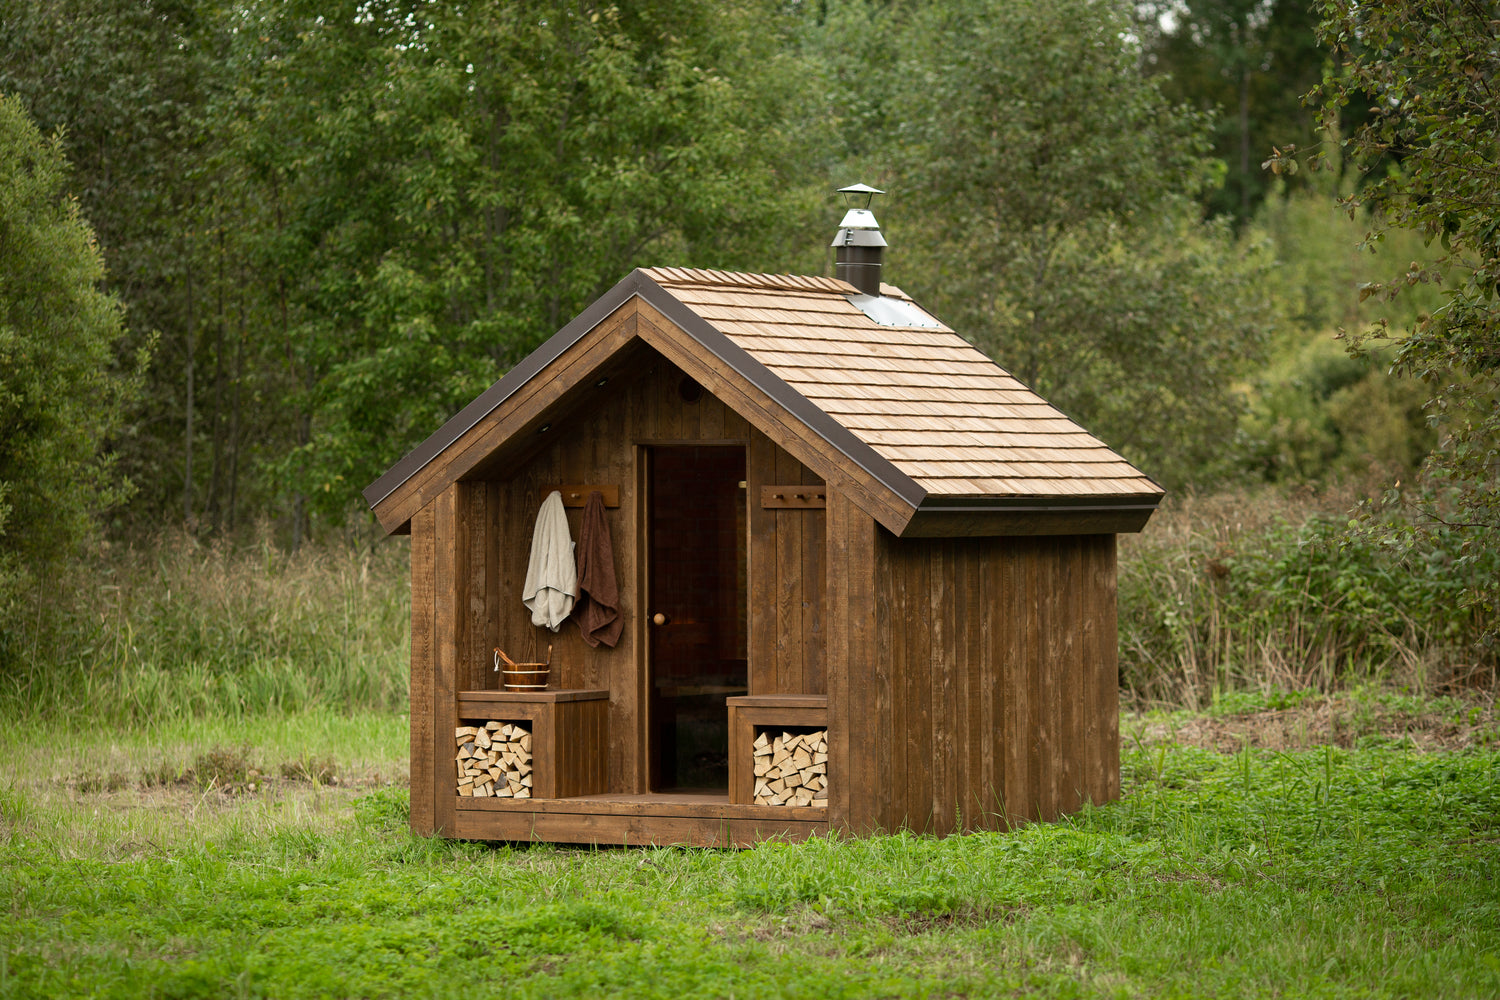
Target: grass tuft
point(315, 770)
point(223, 767)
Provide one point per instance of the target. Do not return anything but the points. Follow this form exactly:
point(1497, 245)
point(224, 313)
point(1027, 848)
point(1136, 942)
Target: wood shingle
point(950, 418)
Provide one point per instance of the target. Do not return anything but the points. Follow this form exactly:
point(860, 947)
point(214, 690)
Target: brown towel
point(598, 607)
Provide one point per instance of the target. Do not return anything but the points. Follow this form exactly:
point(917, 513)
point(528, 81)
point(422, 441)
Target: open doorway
point(697, 611)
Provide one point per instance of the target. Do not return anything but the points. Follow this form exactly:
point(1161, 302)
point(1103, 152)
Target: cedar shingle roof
point(911, 422)
point(923, 398)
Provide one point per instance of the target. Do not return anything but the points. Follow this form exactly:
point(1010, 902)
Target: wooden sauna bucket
point(523, 676)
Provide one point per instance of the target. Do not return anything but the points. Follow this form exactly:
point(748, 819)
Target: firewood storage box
point(569, 735)
point(751, 712)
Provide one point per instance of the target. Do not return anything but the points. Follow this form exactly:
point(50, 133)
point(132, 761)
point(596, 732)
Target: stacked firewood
point(791, 770)
point(494, 760)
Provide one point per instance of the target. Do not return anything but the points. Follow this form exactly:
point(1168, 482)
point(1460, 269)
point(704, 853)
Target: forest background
point(319, 228)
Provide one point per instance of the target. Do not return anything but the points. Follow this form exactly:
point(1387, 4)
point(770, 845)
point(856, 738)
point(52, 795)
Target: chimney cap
point(859, 244)
point(858, 197)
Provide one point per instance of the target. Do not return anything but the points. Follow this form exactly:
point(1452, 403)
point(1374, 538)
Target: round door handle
point(660, 619)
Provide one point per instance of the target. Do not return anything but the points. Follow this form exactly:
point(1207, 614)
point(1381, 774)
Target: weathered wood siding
point(471, 546)
point(990, 692)
point(859, 689)
point(788, 554)
point(423, 668)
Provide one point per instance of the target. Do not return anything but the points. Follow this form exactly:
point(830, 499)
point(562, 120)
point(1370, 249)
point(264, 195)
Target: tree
point(60, 395)
point(1251, 60)
point(1053, 184)
point(448, 185)
point(136, 88)
point(1430, 150)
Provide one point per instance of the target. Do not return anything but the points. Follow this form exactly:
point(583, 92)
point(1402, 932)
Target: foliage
point(1427, 69)
point(1322, 873)
point(1242, 591)
point(1058, 232)
point(61, 397)
point(511, 162)
point(1249, 60)
point(1317, 414)
point(345, 220)
point(184, 630)
point(128, 84)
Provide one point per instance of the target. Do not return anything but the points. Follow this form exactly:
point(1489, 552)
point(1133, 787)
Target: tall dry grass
point(1264, 590)
point(180, 628)
point(1240, 591)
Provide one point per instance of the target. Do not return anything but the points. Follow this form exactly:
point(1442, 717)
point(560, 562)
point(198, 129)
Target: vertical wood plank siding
point(859, 778)
point(423, 669)
point(787, 579)
point(450, 635)
point(996, 673)
point(642, 405)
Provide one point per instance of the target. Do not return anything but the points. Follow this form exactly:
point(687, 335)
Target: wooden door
point(696, 612)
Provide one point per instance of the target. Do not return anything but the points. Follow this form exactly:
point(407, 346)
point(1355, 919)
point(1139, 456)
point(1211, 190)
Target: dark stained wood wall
point(471, 545)
point(787, 580)
point(992, 682)
point(423, 668)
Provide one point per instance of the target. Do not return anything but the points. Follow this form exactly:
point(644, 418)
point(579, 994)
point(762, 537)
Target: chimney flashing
point(893, 312)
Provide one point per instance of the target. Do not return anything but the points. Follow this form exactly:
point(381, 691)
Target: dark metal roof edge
point(461, 422)
point(805, 410)
point(1049, 505)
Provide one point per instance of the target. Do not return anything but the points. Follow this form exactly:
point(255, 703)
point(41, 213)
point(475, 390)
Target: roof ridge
point(669, 276)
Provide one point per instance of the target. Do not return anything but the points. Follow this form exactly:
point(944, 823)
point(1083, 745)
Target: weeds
point(188, 630)
point(1240, 593)
point(1327, 872)
point(1264, 593)
point(312, 769)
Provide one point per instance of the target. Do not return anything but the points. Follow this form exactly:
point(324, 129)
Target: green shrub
point(60, 397)
point(1246, 591)
point(1316, 414)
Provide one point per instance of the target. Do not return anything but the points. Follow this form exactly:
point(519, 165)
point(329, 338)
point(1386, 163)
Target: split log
point(790, 769)
point(493, 759)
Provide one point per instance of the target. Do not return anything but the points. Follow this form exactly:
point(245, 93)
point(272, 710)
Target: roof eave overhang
point(968, 517)
point(495, 396)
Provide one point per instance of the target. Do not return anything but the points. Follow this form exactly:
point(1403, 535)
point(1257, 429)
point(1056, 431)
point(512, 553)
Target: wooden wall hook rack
point(793, 496)
point(577, 494)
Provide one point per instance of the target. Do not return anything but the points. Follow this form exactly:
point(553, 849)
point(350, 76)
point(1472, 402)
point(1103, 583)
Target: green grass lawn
point(1330, 872)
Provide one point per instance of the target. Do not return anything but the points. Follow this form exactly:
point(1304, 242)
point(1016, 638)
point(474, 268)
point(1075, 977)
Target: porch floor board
point(696, 818)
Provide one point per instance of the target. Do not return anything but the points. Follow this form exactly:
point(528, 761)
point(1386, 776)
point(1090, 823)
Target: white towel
point(552, 575)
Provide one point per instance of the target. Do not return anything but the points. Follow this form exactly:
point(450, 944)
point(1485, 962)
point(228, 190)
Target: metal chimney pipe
point(859, 247)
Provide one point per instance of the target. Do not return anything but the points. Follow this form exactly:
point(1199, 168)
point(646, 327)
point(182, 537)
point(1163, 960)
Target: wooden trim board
point(796, 496)
point(639, 829)
point(577, 494)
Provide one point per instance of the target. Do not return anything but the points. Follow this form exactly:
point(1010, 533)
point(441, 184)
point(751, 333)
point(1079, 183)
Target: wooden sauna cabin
point(832, 519)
